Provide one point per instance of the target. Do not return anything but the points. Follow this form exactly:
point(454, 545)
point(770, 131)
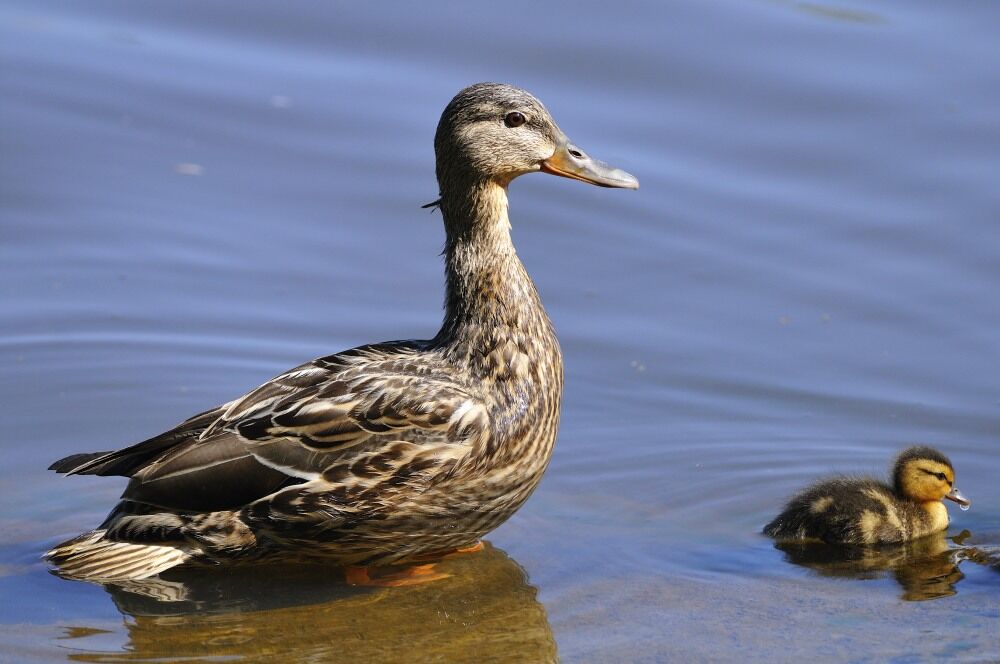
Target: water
point(196, 197)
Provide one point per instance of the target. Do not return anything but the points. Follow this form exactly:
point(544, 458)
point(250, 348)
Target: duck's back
point(848, 510)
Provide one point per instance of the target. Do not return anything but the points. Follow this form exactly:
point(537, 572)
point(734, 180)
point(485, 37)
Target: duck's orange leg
point(409, 576)
point(441, 555)
point(474, 548)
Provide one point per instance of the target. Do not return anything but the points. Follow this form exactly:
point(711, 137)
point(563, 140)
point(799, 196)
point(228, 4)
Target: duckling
point(850, 510)
point(387, 452)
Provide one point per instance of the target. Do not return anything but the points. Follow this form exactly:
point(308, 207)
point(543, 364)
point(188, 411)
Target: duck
point(383, 454)
point(864, 510)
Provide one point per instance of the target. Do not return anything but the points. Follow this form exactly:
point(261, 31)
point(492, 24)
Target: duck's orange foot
point(475, 548)
point(450, 553)
point(409, 576)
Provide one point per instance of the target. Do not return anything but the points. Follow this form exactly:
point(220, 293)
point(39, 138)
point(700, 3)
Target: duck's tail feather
point(71, 464)
point(128, 460)
point(90, 557)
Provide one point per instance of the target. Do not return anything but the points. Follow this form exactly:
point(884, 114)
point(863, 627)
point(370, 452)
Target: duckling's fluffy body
point(856, 510)
point(385, 452)
point(862, 510)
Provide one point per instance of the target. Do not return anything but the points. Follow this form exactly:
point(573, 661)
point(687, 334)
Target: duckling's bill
point(957, 496)
point(570, 161)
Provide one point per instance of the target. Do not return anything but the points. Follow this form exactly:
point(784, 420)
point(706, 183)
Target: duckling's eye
point(514, 119)
point(940, 476)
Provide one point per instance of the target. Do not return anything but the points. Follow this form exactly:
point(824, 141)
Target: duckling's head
point(492, 132)
point(924, 475)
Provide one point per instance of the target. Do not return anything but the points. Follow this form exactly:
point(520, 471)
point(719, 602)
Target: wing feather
point(128, 460)
point(295, 426)
point(352, 399)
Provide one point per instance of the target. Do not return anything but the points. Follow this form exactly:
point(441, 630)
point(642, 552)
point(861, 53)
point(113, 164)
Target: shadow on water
point(925, 569)
point(485, 611)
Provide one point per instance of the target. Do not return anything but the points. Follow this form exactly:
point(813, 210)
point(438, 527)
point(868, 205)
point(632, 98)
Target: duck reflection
point(485, 611)
point(926, 568)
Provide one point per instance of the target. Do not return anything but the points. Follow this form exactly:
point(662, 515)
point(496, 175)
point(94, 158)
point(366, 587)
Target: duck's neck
point(937, 516)
point(489, 295)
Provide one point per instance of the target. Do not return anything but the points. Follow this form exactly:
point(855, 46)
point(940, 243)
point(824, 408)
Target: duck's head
point(492, 132)
point(925, 475)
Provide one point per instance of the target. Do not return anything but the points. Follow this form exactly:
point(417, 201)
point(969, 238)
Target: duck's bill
point(957, 496)
point(570, 161)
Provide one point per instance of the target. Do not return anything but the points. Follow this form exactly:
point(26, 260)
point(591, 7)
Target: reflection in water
point(485, 611)
point(983, 553)
point(926, 568)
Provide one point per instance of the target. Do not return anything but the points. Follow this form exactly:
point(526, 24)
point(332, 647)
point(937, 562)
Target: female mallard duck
point(849, 510)
point(387, 452)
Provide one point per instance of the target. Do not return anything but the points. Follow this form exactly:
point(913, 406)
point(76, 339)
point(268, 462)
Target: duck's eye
point(940, 476)
point(514, 119)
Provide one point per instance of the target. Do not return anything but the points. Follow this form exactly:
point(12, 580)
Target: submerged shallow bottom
point(486, 609)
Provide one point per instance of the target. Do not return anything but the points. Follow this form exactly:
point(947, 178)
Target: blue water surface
point(195, 196)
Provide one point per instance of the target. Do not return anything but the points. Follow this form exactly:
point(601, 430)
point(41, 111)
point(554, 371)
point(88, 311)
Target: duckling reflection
point(484, 611)
point(926, 568)
point(988, 556)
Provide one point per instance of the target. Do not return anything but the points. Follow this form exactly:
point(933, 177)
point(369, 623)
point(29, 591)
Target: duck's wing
point(126, 461)
point(298, 424)
point(344, 400)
